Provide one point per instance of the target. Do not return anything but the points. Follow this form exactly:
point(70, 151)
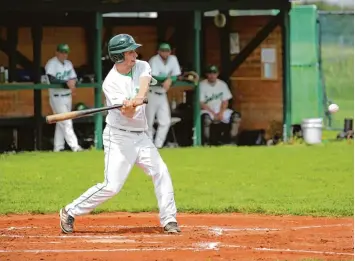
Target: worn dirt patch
point(137, 237)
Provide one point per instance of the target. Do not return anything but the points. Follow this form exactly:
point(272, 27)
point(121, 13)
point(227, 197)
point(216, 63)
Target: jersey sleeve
point(176, 67)
point(227, 95)
point(113, 94)
point(202, 92)
point(146, 70)
point(50, 68)
point(155, 71)
point(72, 74)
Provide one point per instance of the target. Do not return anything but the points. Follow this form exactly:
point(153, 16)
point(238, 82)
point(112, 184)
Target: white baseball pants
point(123, 150)
point(225, 117)
point(158, 105)
point(63, 130)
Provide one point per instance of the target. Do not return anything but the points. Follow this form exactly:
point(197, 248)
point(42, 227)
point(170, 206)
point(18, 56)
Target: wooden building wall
point(259, 100)
point(75, 38)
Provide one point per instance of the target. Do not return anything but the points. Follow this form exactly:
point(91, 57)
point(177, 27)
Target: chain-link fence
point(337, 61)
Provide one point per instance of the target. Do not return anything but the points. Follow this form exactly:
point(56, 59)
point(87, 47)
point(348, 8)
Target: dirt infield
point(133, 237)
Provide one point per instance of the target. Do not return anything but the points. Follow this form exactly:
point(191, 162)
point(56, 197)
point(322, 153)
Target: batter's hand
point(128, 109)
point(167, 84)
point(137, 101)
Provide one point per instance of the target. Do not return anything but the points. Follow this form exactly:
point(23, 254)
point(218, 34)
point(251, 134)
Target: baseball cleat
point(78, 149)
point(172, 228)
point(66, 221)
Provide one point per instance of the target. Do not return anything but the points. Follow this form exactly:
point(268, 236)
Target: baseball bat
point(82, 113)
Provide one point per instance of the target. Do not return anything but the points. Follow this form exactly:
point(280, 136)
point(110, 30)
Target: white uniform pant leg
point(120, 156)
point(64, 129)
point(227, 115)
point(153, 165)
point(151, 110)
point(225, 118)
point(164, 120)
point(59, 141)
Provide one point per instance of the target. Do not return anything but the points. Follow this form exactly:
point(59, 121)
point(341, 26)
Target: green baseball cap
point(212, 69)
point(63, 48)
point(164, 47)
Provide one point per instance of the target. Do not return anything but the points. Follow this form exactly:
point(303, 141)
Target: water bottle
point(6, 75)
point(2, 74)
point(173, 104)
point(184, 98)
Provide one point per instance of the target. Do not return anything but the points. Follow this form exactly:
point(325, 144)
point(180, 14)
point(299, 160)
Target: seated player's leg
point(153, 165)
point(206, 120)
point(234, 123)
point(120, 156)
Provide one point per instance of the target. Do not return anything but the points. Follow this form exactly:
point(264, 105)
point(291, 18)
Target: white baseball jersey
point(162, 69)
point(214, 95)
point(62, 71)
point(117, 88)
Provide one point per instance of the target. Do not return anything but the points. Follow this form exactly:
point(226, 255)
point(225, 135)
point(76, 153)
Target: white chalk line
point(206, 246)
point(213, 229)
point(89, 236)
point(322, 226)
point(106, 241)
point(290, 250)
point(124, 239)
point(36, 251)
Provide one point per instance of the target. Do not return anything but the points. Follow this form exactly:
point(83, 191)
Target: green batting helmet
point(119, 44)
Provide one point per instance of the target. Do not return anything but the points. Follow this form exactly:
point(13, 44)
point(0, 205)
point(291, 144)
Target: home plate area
point(123, 236)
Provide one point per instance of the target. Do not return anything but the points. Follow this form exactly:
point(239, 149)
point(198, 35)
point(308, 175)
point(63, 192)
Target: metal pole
point(98, 73)
point(37, 36)
point(286, 65)
point(197, 62)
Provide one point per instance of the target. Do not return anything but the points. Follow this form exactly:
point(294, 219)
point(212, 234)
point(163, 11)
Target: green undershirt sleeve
point(161, 79)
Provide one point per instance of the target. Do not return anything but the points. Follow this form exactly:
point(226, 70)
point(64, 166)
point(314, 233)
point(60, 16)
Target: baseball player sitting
point(60, 70)
point(165, 69)
point(125, 138)
point(214, 97)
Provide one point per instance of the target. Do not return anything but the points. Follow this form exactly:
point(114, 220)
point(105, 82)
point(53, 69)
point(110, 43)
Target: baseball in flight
point(333, 108)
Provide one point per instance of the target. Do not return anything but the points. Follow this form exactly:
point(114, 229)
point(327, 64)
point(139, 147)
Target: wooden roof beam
point(255, 42)
point(143, 5)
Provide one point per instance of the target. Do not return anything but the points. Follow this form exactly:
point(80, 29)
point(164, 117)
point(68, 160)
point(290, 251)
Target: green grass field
point(298, 179)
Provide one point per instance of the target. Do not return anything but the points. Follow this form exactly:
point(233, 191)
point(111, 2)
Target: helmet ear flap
point(117, 58)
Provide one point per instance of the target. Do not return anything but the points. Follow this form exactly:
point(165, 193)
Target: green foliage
point(338, 70)
point(299, 180)
point(322, 6)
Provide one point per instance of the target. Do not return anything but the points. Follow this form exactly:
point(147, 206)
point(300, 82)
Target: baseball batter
point(165, 69)
point(126, 142)
point(61, 71)
point(214, 97)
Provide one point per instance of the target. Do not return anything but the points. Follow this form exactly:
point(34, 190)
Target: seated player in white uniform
point(214, 98)
point(125, 138)
point(165, 69)
point(60, 70)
